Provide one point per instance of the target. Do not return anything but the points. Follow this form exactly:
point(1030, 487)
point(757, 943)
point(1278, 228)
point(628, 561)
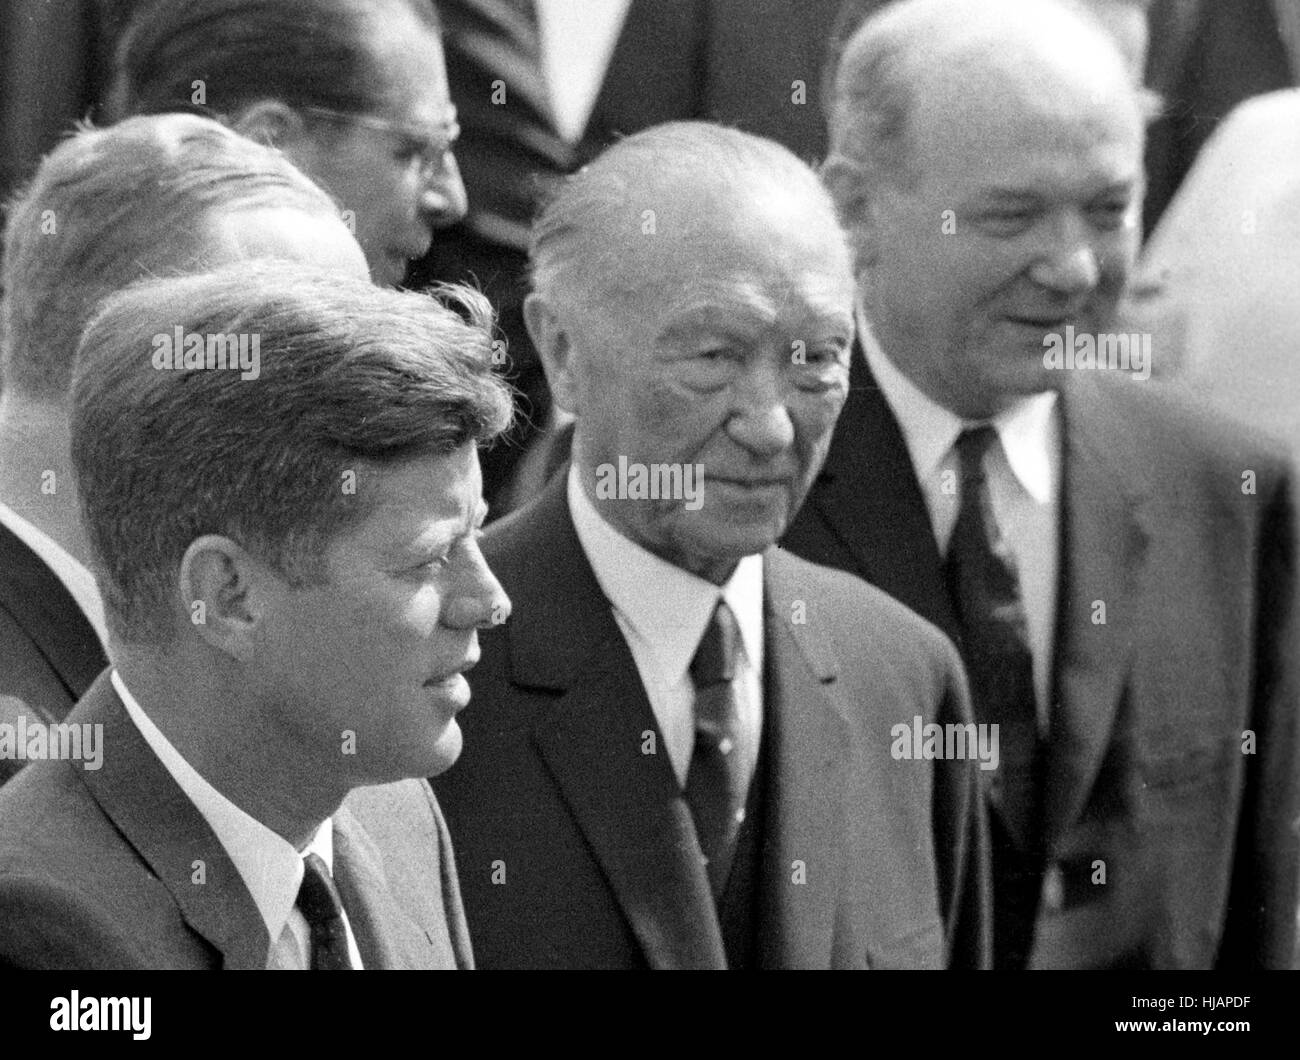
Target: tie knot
point(971, 445)
point(715, 659)
point(318, 898)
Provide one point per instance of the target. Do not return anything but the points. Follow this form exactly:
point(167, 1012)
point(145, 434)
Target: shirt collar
point(270, 867)
point(673, 617)
point(1027, 429)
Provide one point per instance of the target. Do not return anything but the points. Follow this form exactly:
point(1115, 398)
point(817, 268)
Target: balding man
point(148, 197)
point(1117, 570)
point(690, 749)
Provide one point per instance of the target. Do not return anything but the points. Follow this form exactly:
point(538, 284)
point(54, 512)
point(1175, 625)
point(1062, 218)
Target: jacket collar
point(42, 605)
point(170, 835)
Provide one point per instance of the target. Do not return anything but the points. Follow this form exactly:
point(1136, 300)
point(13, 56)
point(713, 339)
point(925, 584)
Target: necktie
point(715, 786)
point(318, 899)
point(985, 590)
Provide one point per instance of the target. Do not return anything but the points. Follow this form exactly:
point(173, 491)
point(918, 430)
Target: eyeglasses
point(433, 150)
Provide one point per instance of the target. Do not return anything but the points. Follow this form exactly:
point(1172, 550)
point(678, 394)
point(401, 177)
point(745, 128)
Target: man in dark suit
point(108, 206)
point(280, 484)
point(684, 757)
point(1118, 570)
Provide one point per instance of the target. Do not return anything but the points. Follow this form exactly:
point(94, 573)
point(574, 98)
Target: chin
point(445, 751)
point(1035, 381)
point(418, 757)
point(727, 549)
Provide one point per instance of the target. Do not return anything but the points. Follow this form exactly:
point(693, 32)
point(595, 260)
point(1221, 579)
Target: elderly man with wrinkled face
point(686, 752)
point(1117, 569)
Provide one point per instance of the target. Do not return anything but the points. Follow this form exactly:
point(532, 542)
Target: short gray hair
point(110, 206)
point(351, 377)
point(875, 84)
point(569, 247)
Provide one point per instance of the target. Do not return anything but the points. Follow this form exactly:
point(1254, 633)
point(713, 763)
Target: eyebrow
point(1023, 196)
point(1006, 197)
point(691, 327)
point(702, 318)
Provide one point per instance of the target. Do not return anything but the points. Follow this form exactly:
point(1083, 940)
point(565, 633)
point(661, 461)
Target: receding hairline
point(126, 180)
point(1003, 23)
point(931, 44)
point(750, 173)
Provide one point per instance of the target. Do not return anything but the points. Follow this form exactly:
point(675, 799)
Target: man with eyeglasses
point(354, 94)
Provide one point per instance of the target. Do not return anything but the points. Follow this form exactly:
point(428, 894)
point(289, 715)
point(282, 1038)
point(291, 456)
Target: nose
point(760, 420)
point(478, 601)
point(443, 199)
point(1070, 264)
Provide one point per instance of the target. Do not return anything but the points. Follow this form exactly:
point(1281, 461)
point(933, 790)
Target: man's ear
point(551, 340)
point(270, 122)
point(225, 590)
point(855, 200)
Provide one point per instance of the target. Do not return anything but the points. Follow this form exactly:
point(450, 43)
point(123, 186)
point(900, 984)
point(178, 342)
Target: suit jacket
point(1182, 530)
point(576, 845)
point(116, 868)
point(673, 60)
point(1205, 59)
point(49, 653)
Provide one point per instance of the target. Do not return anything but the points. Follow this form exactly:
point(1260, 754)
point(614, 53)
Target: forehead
point(766, 246)
point(414, 88)
point(1028, 126)
point(407, 500)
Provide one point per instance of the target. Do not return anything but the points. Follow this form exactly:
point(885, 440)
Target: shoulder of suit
point(855, 610)
point(73, 891)
point(49, 923)
point(411, 800)
point(1160, 423)
point(44, 808)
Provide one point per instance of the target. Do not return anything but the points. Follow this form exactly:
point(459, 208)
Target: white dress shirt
point(268, 864)
point(663, 612)
point(578, 39)
point(79, 582)
point(1024, 478)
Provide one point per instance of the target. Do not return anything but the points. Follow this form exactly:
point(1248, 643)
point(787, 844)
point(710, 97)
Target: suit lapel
point(170, 835)
point(1103, 546)
point(804, 813)
point(869, 496)
point(42, 605)
point(655, 72)
point(627, 804)
point(387, 936)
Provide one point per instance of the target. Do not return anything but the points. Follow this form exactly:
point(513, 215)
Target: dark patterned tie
point(318, 900)
point(985, 590)
point(715, 783)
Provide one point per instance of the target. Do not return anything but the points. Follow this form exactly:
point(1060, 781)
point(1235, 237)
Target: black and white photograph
point(626, 485)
